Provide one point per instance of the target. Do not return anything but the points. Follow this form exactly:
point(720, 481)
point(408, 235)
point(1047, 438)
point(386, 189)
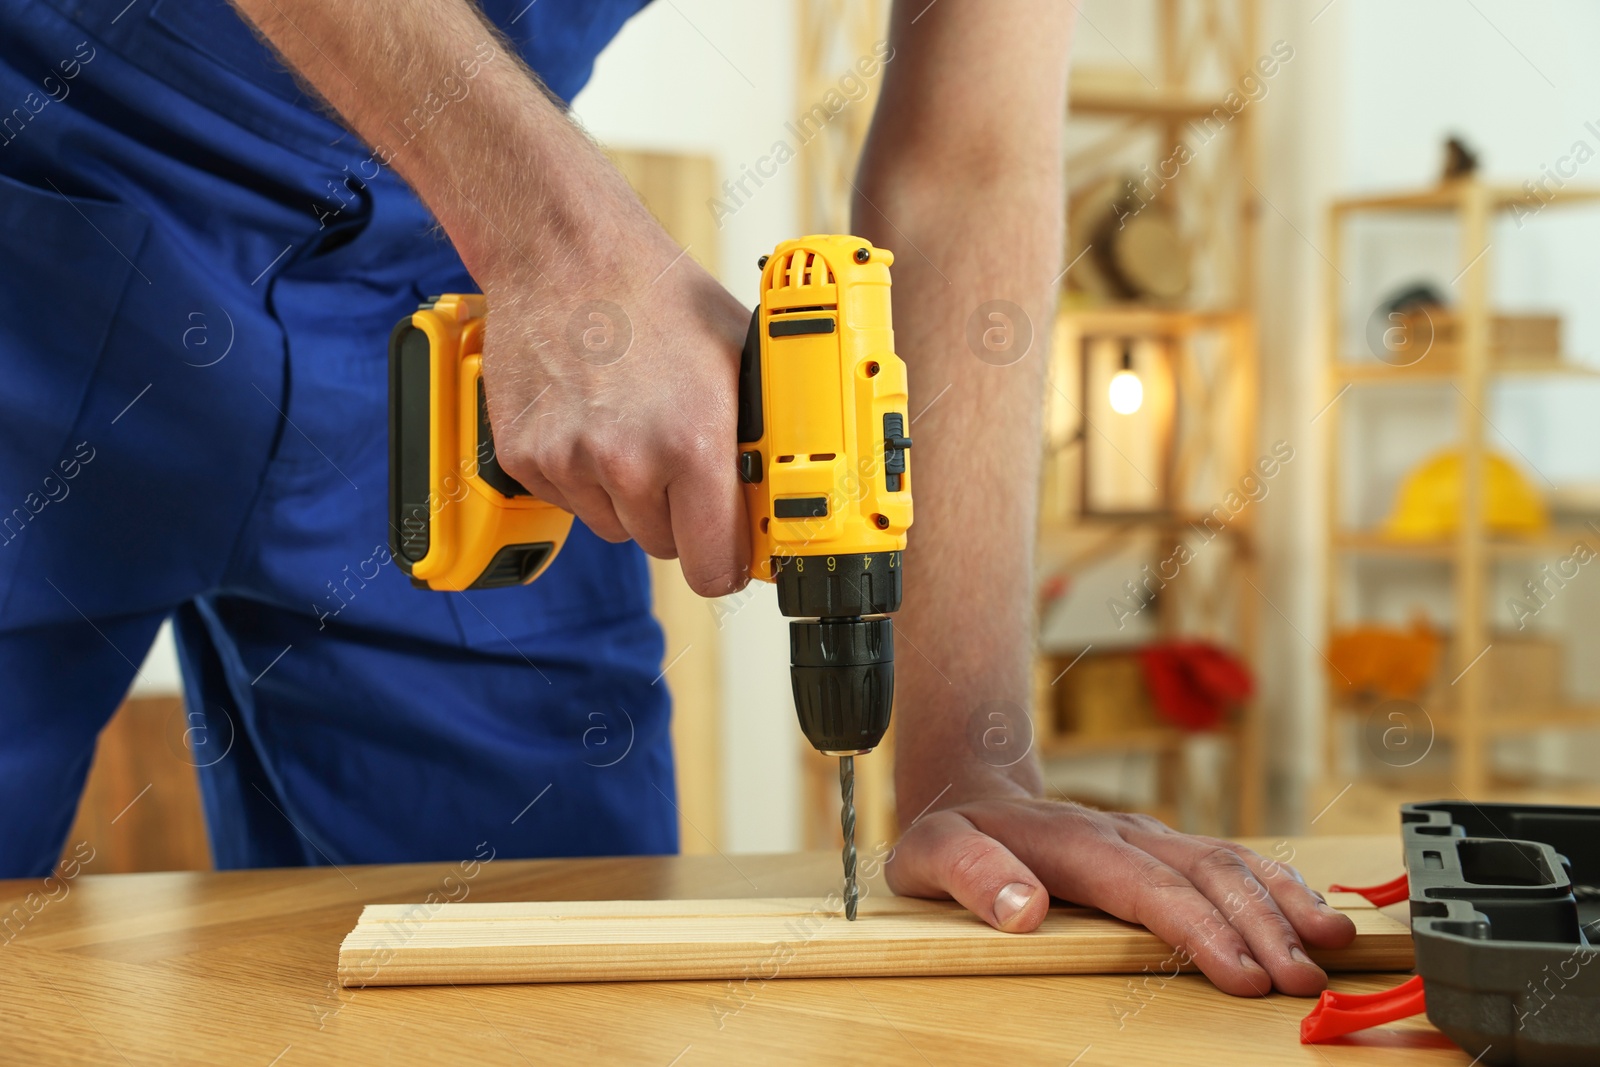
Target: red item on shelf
point(1194, 683)
point(1338, 1014)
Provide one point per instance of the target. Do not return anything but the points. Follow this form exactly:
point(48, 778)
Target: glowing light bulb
point(1126, 392)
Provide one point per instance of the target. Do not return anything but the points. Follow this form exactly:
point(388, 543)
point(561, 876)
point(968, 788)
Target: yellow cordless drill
point(822, 453)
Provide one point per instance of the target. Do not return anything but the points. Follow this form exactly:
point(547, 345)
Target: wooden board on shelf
point(1556, 541)
point(670, 940)
point(1525, 718)
point(1429, 369)
point(1448, 196)
point(1104, 696)
point(1122, 92)
point(1511, 337)
point(1525, 672)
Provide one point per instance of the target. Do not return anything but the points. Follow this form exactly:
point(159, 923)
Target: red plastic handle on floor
point(1337, 1014)
point(1380, 895)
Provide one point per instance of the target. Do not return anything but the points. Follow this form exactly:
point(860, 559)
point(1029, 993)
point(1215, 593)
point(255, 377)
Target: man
point(201, 266)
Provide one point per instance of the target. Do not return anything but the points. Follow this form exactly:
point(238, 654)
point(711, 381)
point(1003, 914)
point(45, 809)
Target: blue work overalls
point(198, 275)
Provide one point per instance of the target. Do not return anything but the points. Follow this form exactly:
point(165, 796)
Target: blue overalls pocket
point(65, 263)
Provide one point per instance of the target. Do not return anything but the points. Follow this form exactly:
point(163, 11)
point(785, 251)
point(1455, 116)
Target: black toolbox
point(1505, 911)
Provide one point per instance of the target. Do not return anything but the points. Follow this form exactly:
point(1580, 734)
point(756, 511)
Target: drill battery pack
point(457, 520)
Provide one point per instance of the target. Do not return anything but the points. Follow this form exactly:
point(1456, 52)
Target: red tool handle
point(1380, 895)
point(1337, 1014)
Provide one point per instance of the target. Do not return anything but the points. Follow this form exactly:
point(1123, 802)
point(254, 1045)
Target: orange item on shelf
point(1385, 662)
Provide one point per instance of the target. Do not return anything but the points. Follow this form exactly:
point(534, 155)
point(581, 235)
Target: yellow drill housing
point(823, 455)
point(822, 400)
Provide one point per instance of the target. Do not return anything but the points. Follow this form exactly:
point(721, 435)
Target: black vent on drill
point(514, 565)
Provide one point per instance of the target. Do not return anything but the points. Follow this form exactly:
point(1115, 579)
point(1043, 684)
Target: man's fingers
point(1228, 882)
point(1307, 911)
point(1317, 923)
point(647, 520)
point(591, 504)
point(945, 855)
point(1133, 885)
point(541, 487)
point(1083, 859)
point(709, 527)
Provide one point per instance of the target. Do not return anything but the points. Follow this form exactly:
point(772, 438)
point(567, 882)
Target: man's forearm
point(508, 176)
point(962, 177)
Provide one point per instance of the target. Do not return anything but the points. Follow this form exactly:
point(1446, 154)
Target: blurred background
point(1321, 499)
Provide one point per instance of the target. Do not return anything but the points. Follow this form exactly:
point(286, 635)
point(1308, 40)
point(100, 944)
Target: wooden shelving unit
point(1210, 341)
point(1470, 723)
point(1223, 606)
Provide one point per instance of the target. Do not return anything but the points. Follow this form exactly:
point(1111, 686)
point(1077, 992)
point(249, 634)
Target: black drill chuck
point(841, 663)
point(843, 675)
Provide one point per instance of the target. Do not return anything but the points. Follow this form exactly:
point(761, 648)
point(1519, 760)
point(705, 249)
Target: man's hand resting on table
point(1241, 918)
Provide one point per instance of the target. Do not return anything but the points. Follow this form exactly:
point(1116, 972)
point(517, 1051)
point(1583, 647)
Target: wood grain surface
point(793, 937)
point(241, 968)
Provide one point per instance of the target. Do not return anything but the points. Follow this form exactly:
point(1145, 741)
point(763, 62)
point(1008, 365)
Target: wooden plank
point(794, 937)
point(1553, 542)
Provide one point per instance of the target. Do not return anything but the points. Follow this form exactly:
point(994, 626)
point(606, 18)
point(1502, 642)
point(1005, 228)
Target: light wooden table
point(237, 968)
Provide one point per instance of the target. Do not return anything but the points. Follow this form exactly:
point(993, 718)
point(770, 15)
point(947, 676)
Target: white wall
point(159, 674)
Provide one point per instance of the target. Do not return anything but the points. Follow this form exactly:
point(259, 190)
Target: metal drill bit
point(847, 820)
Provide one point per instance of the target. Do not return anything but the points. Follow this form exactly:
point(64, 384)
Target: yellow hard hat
point(1428, 506)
